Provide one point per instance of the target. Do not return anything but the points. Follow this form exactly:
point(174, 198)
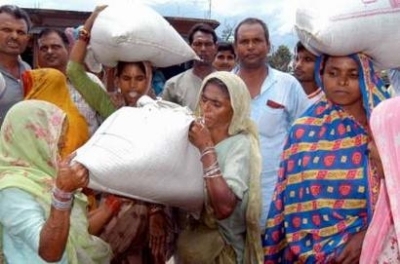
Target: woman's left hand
point(352, 250)
point(158, 235)
point(199, 135)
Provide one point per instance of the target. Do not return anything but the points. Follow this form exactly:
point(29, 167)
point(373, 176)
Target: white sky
point(278, 14)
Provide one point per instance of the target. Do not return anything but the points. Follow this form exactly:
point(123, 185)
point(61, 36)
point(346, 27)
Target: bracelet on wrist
point(61, 205)
point(213, 176)
point(213, 171)
point(84, 35)
point(60, 194)
point(211, 167)
point(207, 151)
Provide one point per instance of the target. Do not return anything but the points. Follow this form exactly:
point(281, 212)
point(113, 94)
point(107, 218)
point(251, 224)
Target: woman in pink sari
point(381, 243)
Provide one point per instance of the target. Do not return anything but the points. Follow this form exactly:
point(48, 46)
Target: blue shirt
point(281, 101)
point(22, 219)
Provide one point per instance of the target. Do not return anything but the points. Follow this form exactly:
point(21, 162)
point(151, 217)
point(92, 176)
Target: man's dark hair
point(17, 13)
point(299, 47)
point(47, 31)
point(251, 21)
point(202, 27)
point(226, 46)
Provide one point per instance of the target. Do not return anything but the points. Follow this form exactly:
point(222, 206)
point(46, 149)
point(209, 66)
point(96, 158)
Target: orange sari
point(50, 85)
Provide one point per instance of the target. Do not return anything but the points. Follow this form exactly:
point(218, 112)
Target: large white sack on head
point(130, 31)
point(342, 27)
point(144, 153)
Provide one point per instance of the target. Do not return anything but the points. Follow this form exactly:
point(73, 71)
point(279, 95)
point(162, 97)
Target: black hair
point(251, 21)
point(17, 13)
point(122, 64)
point(226, 46)
point(47, 31)
point(323, 64)
point(220, 84)
point(202, 27)
point(299, 47)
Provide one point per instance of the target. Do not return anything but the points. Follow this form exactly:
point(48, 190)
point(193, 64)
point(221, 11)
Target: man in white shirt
point(277, 100)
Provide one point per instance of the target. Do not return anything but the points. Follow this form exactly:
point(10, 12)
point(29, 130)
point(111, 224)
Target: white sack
point(130, 31)
point(144, 153)
point(342, 27)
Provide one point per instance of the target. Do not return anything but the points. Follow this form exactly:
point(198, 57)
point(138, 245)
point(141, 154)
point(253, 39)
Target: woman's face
point(215, 105)
point(132, 82)
point(375, 158)
point(340, 79)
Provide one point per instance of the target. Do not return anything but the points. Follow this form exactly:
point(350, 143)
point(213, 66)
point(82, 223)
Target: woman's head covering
point(372, 87)
point(240, 100)
point(29, 140)
point(385, 127)
point(29, 135)
point(324, 158)
point(51, 85)
point(241, 123)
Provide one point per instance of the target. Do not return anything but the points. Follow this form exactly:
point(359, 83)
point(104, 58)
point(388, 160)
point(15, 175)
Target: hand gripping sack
point(130, 31)
point(144, 153)
point(342, 27)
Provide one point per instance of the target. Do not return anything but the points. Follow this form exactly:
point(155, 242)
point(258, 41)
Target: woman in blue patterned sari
point(325, 195)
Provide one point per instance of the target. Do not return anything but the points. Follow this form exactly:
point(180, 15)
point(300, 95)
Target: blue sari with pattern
point(326, 187)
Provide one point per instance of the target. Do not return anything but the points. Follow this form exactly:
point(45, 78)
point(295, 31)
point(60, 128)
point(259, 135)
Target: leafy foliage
point(281, 58)
point(228, 31)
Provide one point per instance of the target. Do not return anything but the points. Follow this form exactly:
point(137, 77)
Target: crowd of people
point(297, 168)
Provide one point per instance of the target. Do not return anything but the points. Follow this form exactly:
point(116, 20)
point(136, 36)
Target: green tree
point(280, 59)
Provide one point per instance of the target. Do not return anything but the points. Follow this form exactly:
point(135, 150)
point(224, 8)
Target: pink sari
point(383, 235)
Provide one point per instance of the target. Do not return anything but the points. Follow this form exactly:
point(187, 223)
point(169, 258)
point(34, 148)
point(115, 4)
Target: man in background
point(14, 37)
point(304, 71)
point(277, 100)
point(54, 49)
point(184, 87)
point(225, 58)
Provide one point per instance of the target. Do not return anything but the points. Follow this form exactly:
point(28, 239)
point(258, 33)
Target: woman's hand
point(99, 8)
point(158, 235)
point(71, 177)
point(352, 250)
point(90, 21)
point(199, 135)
